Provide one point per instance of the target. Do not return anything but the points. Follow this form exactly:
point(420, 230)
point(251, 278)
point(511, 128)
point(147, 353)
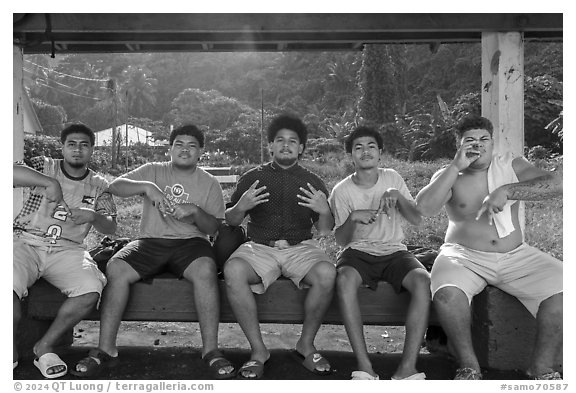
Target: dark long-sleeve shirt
point(281, 218)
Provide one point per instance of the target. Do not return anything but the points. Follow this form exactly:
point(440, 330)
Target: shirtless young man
point(484, 245)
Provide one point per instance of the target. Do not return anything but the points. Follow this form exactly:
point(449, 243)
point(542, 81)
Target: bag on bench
point(228, 239)
point(106, 250)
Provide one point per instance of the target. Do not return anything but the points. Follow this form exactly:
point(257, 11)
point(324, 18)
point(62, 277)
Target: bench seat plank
point(169, 299)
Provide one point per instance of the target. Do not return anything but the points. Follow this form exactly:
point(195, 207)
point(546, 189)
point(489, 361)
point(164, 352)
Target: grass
point(544, 220)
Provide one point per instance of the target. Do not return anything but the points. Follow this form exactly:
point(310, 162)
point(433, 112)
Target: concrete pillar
point(17, 120)
point(503, 88)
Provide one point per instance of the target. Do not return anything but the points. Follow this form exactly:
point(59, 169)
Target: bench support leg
point(503, 331)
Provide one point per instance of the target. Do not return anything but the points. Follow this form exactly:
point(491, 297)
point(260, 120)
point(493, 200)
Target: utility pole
point(126, 130)
point(262, 126)
point(112, 88)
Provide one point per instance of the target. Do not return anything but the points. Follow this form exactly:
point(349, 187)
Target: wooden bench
point(223, 174)
point(503, 330)
point(169, 299)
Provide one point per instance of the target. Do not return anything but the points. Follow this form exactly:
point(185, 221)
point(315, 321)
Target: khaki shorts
point(269, 263)
point(68, 268)
point(526, 273)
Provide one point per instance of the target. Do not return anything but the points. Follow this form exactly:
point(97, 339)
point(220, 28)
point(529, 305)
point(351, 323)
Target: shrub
point(41, 145)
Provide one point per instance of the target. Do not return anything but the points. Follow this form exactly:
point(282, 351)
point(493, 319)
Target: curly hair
point(288, 122)
point(188, 129)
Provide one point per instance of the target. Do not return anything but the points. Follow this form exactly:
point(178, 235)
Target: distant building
point(135, 135)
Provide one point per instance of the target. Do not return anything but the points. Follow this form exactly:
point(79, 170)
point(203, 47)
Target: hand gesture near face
point(253, 196)
point(466, 155)
point(313, 199)
point(388, 201)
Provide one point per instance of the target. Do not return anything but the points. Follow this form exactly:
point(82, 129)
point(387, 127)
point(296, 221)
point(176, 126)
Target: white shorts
point(68, 268)
point(269, 263)
point(526, 273)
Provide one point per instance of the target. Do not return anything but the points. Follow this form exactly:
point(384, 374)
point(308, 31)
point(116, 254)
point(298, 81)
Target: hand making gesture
point(466, 155)
point(184, 210)
point(54, 197)
point(82, 215)
point(388, 201)
point(159, 199)
point(253, 197)
point(314, 199)
point(493, 204)
point(365, 217)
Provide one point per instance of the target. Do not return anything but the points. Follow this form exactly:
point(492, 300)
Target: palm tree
point(139, 91)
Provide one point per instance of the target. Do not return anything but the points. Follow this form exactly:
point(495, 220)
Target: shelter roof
point(125, 33)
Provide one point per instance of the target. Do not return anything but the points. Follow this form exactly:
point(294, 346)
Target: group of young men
point(183, 206)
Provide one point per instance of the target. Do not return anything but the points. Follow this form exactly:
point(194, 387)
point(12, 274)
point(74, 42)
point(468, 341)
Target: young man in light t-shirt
point(367, 207)
point(66, 200)
point(183, 205)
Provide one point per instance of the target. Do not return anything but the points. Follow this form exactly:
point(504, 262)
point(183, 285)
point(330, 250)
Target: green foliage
point(382, 88)
point(138, 90)
point(51, 117)
point(99, 116)
point(427, 136)
point(209, 109)
point(138, 154)
point(540, 108)
point(41, 145)
point(556, 126)
point(543, 58)
point(332, 91)
point(467, 104)
point(324, 150)
point(395, 143)
point(450, 70)
point(242, 141)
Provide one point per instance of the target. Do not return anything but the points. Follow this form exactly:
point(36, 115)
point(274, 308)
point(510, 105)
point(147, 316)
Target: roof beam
point(79, 33)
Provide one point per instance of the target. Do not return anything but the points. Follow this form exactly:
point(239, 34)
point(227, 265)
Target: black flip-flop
point(311, 361)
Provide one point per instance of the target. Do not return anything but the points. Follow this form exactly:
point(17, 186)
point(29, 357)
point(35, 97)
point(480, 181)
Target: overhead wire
point(43, 77)
point(68, 75)
point(68, 92)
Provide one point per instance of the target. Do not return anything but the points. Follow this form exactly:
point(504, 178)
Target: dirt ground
point(173, 334)
point(172, 351)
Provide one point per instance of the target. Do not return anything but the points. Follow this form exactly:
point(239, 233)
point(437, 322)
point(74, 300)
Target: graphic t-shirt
point(200, 188)
point(385, 235)
point(88, 191)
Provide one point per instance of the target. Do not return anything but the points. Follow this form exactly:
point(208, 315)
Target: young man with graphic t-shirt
point(368, 206)
point(284, 201)
point(183, 205)
point(66, 200)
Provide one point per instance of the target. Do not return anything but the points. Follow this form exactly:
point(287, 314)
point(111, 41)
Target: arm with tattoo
point(534, 185)
point(537, 189)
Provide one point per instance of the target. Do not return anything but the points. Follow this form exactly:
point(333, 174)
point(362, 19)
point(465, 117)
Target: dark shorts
point(390, 268)
point(150, 257)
